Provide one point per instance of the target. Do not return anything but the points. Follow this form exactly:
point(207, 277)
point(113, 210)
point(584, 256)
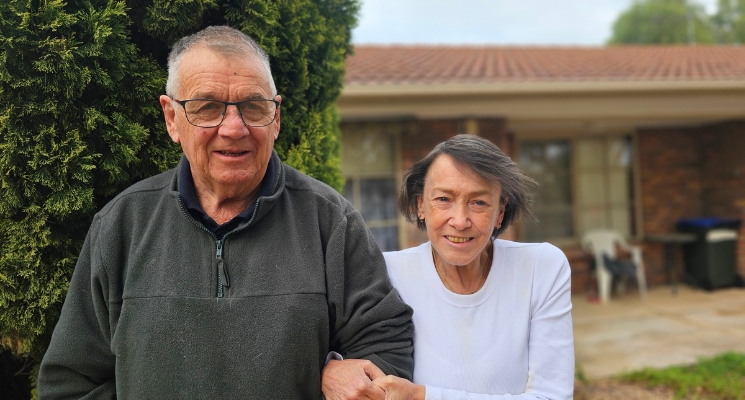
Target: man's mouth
point(458, 239)
point(232, 153)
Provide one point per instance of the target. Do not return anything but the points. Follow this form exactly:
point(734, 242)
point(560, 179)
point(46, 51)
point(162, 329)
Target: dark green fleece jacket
point(159, 308)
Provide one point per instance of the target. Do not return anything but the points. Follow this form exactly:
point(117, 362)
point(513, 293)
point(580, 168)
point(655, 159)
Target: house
point(629, 138)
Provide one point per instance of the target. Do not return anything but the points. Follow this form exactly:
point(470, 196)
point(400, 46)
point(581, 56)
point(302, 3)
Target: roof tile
point(483, 64)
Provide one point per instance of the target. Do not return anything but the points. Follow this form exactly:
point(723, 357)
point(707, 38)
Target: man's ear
point(170, 115)
point(277, 119)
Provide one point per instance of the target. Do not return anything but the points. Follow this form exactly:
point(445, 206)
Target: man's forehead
point(208, 57)
point(203, 69)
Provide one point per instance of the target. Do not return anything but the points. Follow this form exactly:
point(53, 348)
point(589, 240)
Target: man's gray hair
point(481, 157)
point(221, 39)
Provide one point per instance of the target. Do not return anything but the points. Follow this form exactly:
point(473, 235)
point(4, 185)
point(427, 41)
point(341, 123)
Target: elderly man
point(233, 275)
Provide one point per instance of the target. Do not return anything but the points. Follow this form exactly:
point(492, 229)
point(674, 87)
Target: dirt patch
point(607, 389)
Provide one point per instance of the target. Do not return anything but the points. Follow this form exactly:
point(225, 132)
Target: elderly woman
point(491, 317)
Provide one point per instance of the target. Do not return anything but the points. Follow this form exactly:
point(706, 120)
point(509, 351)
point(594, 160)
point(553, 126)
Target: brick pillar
point(723, 173)
point(670, 174)
point(740, 254)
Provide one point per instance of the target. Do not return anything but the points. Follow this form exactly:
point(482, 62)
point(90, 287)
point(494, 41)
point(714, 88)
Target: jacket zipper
point(223, 279)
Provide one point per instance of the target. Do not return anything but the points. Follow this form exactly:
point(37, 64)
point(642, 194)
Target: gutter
point(356, 91)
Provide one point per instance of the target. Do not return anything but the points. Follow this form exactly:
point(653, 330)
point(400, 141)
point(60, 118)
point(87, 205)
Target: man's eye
point(208, 106)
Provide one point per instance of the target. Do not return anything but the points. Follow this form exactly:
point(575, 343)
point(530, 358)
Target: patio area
point(629, 333)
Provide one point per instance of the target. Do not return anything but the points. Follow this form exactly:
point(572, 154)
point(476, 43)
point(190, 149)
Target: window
point(549, 164)
point(368, 163)
point(583, 184)
point(604, 184)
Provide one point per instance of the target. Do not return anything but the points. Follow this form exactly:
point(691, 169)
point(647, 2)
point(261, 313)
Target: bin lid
point(709, 222)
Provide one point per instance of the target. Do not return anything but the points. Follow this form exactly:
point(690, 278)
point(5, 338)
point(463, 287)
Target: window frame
point(634, 201)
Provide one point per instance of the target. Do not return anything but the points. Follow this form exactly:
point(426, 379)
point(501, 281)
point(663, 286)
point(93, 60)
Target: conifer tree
point(80, 121)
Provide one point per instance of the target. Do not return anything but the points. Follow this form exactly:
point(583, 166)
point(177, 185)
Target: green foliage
point(719, 377)
point(729, 22)
point(308, 43)
point(662, 22)
point(78, 123)
point(80, 120)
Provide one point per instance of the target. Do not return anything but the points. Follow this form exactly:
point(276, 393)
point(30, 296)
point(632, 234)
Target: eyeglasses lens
point(208, 113)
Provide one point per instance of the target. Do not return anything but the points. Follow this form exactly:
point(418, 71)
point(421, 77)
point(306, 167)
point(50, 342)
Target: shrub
point(80, 121)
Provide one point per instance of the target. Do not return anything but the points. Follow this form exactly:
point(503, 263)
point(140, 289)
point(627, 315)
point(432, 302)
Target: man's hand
point(351, 379)
point(400, 389)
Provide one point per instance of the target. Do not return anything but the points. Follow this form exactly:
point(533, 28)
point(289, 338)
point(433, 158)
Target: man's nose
point(232, 123)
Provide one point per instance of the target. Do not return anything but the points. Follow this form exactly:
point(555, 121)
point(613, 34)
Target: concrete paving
point(629, 333)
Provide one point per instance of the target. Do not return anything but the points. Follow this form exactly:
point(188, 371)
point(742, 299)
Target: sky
point(503, 22)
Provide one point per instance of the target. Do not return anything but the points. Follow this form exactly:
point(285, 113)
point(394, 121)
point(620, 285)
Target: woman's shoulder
point(406, 256)
point(543, 248)
point(543, 266)
point(405, 266)
point(539, 255)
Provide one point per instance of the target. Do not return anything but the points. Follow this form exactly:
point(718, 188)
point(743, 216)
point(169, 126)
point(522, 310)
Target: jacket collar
point(271, 187)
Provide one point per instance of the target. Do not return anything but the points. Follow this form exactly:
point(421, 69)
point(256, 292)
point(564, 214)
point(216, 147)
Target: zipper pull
point(224, 278)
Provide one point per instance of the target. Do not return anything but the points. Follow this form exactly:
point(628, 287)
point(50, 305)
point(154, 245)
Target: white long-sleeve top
point(512, 339)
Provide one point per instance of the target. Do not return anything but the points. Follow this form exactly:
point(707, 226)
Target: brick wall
point(723, 168)
point(723, 176)
point(670, 174)
point(690, 173)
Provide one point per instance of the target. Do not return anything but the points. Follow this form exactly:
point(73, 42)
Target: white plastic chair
point(604, 241)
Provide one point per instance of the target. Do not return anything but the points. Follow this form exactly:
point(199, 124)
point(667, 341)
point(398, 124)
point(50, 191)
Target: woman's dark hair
point(483, 158)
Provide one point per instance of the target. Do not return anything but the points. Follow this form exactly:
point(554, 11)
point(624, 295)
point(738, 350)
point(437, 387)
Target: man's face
point(228, 160)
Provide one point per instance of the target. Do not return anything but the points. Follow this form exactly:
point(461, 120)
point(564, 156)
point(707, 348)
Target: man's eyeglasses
point(206, 113)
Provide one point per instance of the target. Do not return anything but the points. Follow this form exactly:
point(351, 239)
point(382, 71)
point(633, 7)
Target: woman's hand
point(400, 389)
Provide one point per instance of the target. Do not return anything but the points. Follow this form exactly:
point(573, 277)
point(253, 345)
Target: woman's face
point(460, 210)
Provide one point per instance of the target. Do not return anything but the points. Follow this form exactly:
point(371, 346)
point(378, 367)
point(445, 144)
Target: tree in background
point(80, 121)
point(662, 22)
point(729, 22)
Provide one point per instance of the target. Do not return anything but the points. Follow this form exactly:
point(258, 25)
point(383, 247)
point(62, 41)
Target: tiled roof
point(375, 65)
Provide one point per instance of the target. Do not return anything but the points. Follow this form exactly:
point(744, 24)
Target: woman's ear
point(419, 207)
point(500, 216)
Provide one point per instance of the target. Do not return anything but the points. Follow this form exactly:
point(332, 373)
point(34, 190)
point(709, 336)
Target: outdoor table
point(670, 240)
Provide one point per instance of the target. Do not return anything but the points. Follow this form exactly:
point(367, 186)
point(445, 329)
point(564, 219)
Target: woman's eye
point(479, 203)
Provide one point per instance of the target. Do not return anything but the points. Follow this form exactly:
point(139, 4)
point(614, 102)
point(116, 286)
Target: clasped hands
point(361, 379)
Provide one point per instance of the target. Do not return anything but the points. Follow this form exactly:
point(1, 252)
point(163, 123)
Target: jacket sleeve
point(551, 342)
point(78, 362)
point(368, 319)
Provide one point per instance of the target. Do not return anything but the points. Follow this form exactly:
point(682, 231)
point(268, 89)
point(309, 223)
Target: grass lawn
point(718, 378)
